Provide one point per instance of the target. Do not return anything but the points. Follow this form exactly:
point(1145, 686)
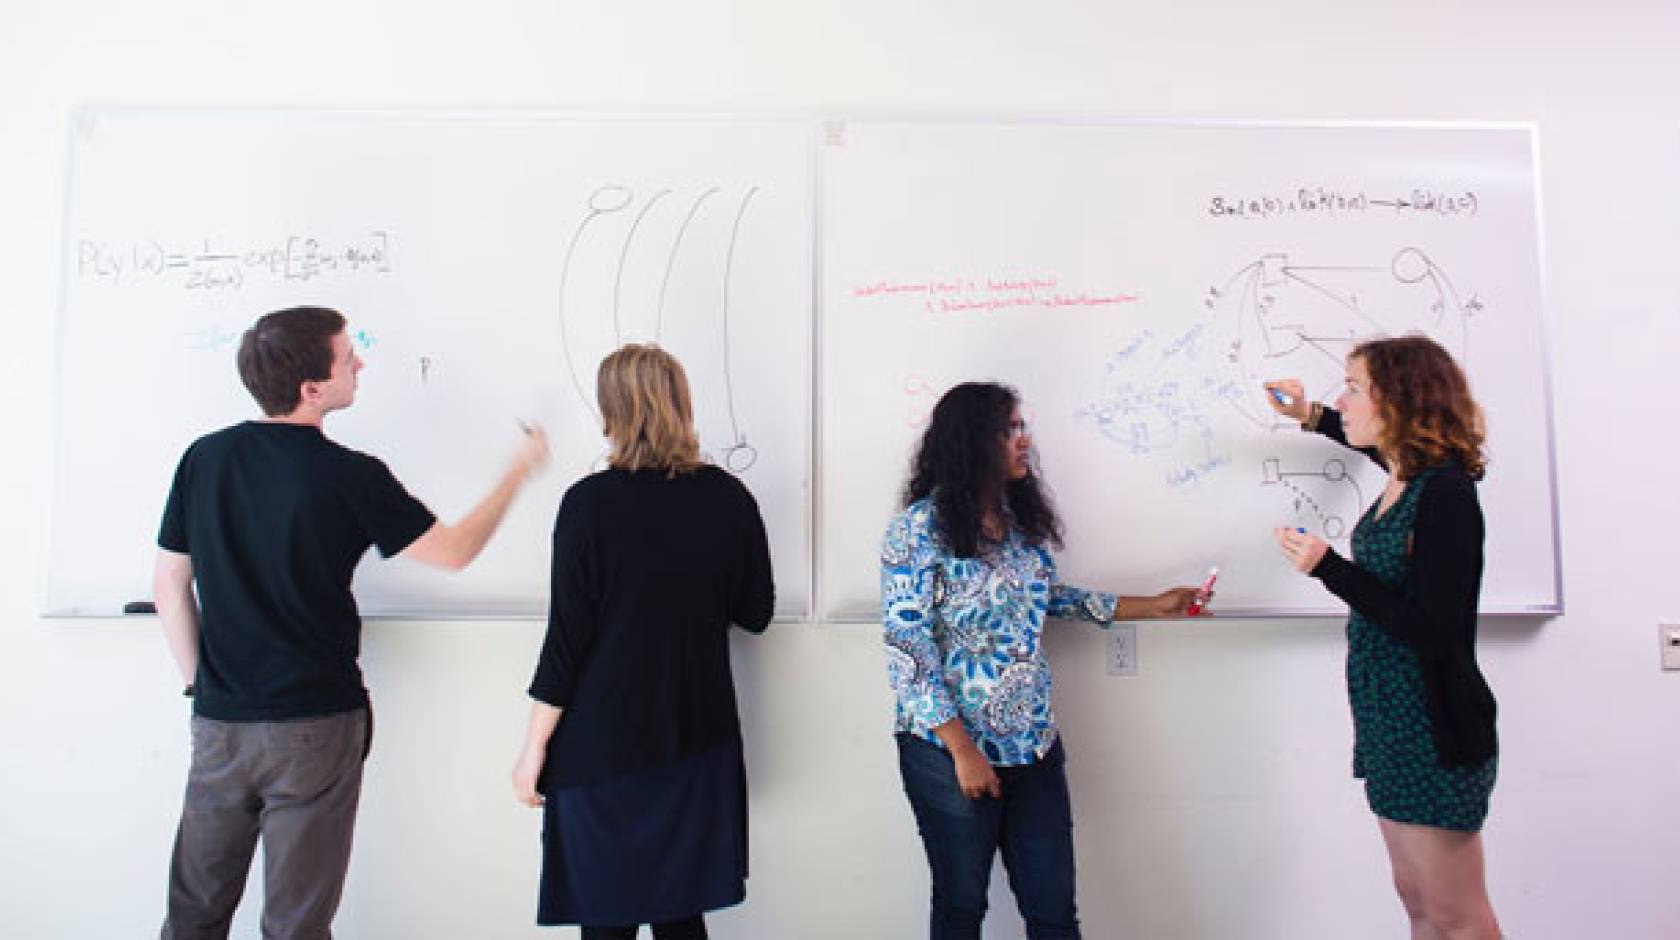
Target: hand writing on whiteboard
point(1293, 401)
point(532, 455)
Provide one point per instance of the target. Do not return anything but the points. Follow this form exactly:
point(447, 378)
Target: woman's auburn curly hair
point(1424, 401)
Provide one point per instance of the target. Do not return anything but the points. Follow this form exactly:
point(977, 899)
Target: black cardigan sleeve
point(1446, 573)
point(752, 599)
point(572, 618)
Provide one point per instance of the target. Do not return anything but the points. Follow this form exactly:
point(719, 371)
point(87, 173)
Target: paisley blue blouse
point(963, 636)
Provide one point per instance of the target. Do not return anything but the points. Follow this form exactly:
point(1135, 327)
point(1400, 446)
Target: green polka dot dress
point(1392, 747)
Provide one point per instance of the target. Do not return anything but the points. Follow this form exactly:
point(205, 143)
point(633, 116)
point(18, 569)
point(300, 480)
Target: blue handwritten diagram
point(1162, 403)
point(1192, 401)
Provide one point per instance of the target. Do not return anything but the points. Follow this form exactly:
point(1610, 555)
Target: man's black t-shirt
point(275, 517)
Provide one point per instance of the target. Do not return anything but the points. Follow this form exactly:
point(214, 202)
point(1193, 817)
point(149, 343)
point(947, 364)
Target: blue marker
point(1279, 396)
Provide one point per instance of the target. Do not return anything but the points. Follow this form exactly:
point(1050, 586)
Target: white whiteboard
point(1136, 282)
point(486, 264)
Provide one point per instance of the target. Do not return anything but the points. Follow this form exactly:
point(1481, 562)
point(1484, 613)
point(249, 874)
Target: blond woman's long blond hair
point(646, 410)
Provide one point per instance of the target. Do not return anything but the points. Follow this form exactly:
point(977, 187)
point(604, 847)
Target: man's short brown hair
point(285, 349)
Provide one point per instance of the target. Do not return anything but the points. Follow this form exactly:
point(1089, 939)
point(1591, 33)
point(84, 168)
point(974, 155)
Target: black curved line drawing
point(1251, 329)
point(1263, 324)
point(605, 200)
point(1350, 303)
point(1334, 525)
point(624, 253)
point(671, 261)
point(1279, 323)
point(1220, 292)
point(1256, 304)
point(1301, 339)
point(740, 455)
point(1449, 294)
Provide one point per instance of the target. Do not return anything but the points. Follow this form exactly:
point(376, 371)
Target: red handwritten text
point(989, 294)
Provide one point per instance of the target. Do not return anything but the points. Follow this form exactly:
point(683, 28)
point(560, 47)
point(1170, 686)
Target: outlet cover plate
point(1122, 649)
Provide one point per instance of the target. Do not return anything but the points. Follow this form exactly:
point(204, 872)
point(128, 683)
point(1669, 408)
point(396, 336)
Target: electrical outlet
point(1668, 639)
point(1122, 649)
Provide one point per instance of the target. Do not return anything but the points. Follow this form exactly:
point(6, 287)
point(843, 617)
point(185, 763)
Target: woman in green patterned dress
point(1423, 715)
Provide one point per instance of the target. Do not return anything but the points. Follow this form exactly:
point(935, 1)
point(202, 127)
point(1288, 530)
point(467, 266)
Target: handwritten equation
point(1335, 203)
point(957, 295)
point(211, 267)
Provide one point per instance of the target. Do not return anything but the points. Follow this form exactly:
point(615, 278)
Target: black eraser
point(139, 607)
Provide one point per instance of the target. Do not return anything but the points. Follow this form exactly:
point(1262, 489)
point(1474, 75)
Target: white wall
point(1211, 791)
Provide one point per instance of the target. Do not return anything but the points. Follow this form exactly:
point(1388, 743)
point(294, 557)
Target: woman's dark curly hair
point(960, 462)
point(1424, 399)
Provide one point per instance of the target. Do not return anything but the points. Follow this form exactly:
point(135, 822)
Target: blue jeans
point(1032, 824)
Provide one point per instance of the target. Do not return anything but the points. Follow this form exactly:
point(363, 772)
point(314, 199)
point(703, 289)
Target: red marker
point(1206, 592)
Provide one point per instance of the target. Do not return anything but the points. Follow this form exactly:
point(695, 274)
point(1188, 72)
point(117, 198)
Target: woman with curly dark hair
point(967, 581)
point(1423, 715)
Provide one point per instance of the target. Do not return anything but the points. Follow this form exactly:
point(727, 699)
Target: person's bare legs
point(1441, 878)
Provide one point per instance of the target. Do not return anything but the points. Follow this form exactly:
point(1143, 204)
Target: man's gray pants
point(295, 785)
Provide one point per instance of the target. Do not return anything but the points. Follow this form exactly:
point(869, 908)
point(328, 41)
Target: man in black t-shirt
point(270, 518)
